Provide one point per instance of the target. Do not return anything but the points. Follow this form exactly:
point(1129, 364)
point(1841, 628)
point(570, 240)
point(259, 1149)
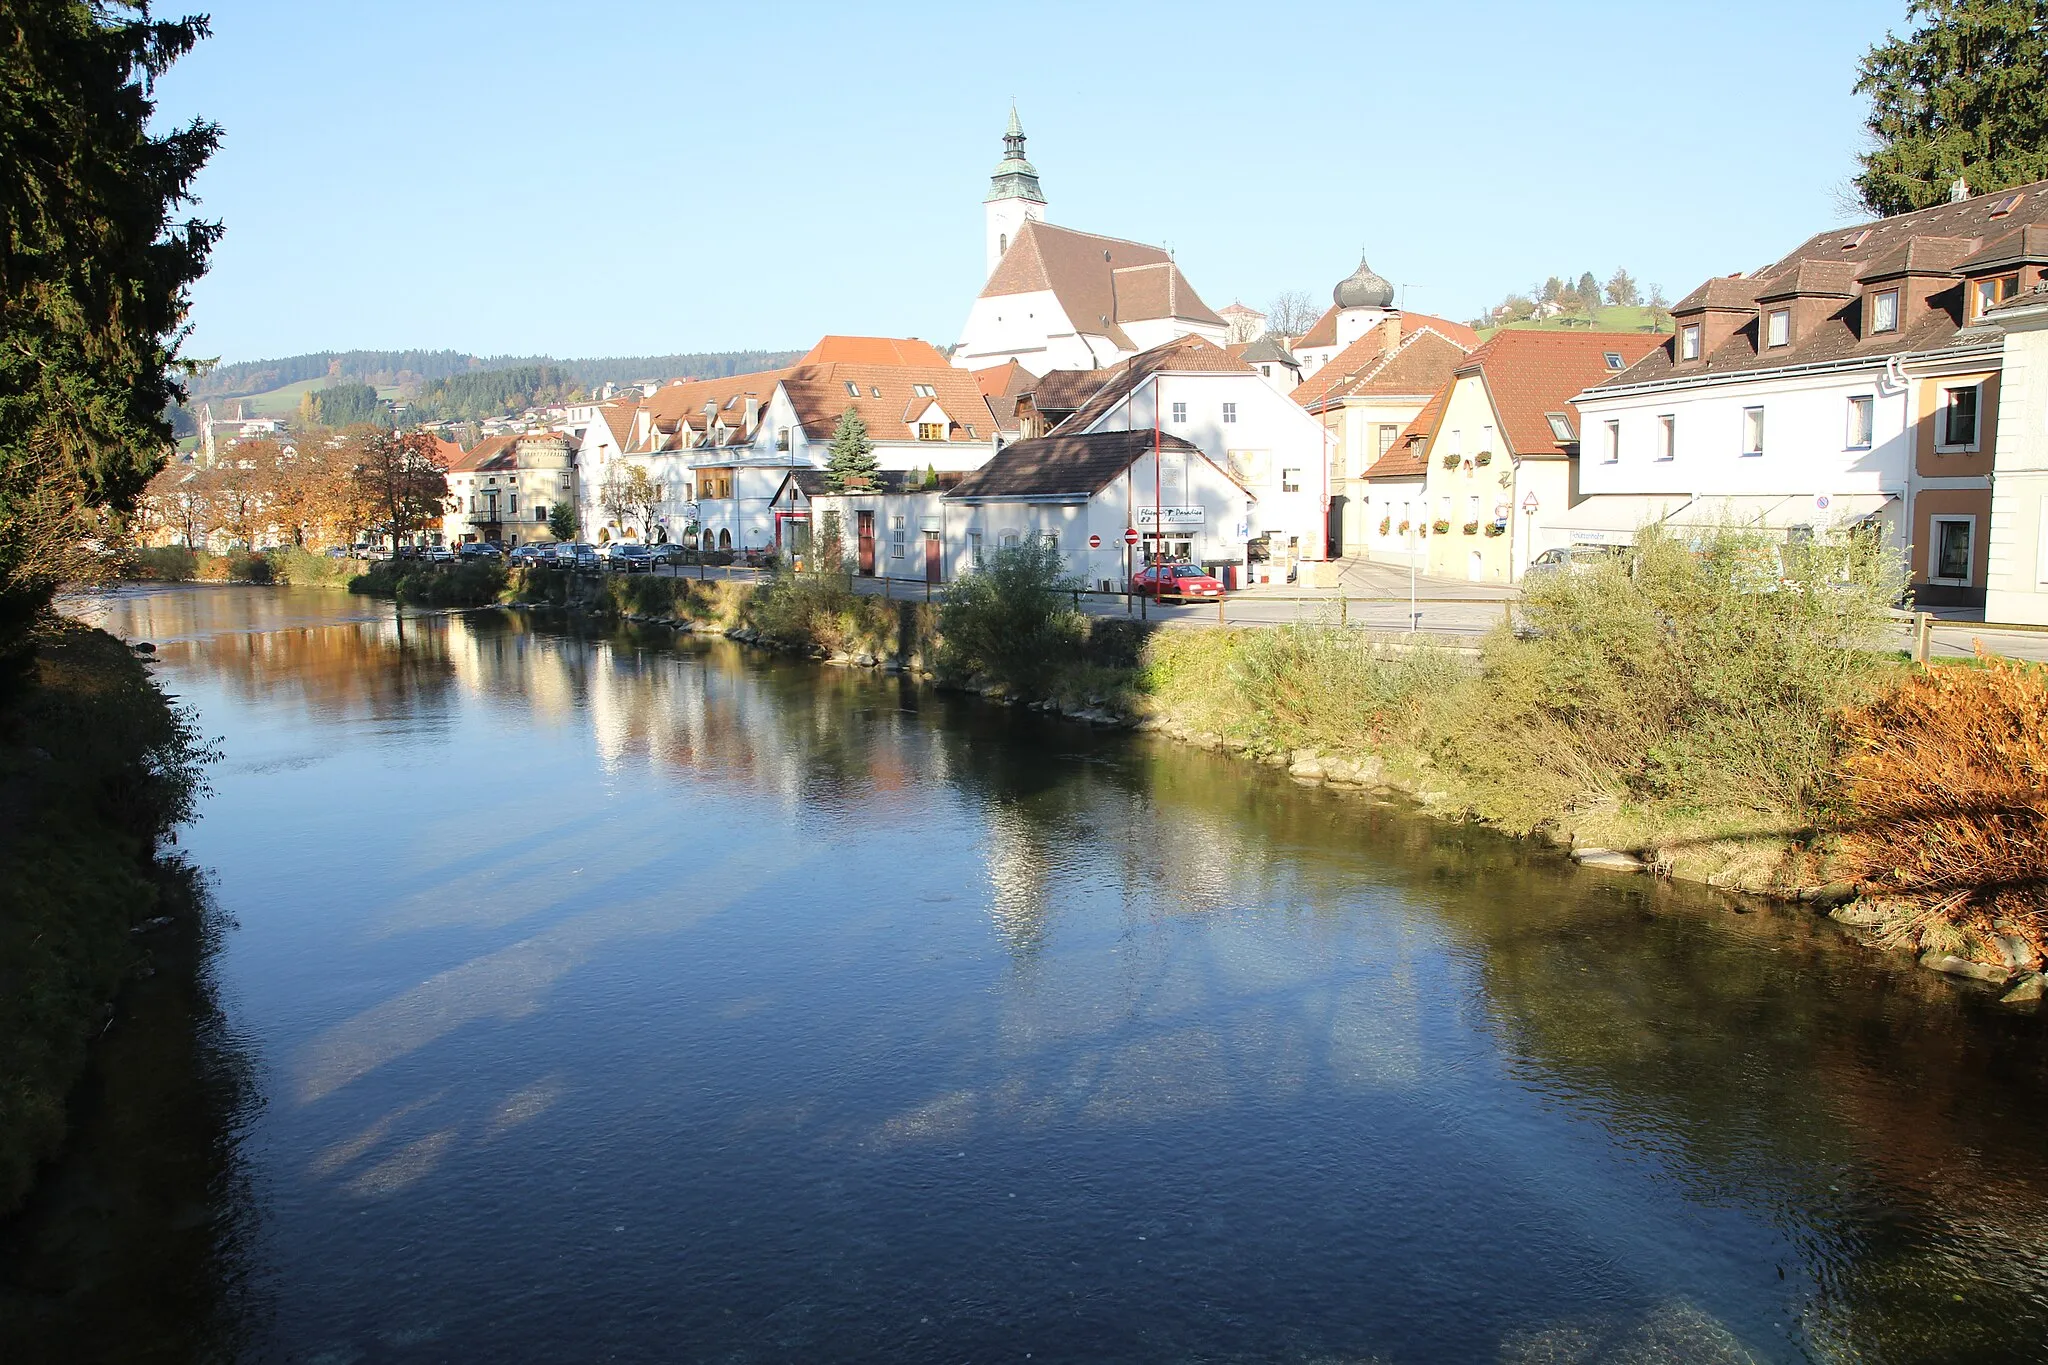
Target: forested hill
point(418, 370)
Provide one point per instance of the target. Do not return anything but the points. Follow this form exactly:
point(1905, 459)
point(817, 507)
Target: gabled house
point(1855, 381)
point(504, 488)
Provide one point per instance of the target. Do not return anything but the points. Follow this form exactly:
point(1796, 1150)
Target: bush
point(304, 569)
point(248, 566)
point(1942, 792)
point(822, 611)
point(166, 564)
point(1013, 620)
point(474, 584)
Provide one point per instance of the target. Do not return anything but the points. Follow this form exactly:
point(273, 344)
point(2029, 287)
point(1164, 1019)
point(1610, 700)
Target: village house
point(1058, 299)
point(1500, 451)
point(1360, 305)
point(1855, 381)
point(503, 489)
point(2016, 566)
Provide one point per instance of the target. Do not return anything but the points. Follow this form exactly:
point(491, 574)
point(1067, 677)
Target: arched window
point(1002, 242)
point(725, 540)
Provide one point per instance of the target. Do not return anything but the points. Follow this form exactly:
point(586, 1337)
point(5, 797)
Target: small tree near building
point(1622, 291)
point(562, 521)
point(852, 467)
point(1291, 313)
point(402, 478)
point(643, 500)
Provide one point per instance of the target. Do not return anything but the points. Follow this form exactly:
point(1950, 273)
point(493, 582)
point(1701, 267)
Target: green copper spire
point(1015, 178)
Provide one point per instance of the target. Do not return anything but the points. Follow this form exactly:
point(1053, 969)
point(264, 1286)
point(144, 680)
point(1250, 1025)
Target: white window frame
point(1613, 441)
point(1689, 341)
point(1877, 300)
point(1934, 524)
point(1942, 444)
point(898, 533)
point(1778, 328)
point(1180, 414)
point(1230, 412)
point(1667, 436)
point(1752, 419)
point(1866, 404)
point(1290, 479)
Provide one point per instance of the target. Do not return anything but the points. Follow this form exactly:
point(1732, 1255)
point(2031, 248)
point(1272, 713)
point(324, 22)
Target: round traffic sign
point(1095, 542)
point(1130, 535)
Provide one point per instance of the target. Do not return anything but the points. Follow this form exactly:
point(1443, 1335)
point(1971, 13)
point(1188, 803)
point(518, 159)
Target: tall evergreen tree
point(1589, 293)
point(852, 466)
point(1963, 96)
point(93, 280)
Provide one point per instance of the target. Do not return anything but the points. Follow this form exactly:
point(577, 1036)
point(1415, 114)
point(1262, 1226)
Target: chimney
point(1390, 332)
point(753, 413)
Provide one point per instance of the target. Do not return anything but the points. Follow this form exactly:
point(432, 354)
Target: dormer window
point(1689, 341)
point(1884, 311)
point(1778, 327)
point(931, 431)
point(1986, 294)
point(875, 389)
point(924, 391)
point(1613, 359)
point(1560, 426)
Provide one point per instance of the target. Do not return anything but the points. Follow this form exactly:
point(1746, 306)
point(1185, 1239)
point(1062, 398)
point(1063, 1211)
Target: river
point(574, 996)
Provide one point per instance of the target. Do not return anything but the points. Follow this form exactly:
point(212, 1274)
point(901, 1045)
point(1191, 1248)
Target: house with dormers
point(503, 488)
point(1853, 382)
point(1058, 299)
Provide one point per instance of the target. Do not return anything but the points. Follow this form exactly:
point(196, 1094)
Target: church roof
point(872, 351)
point(1073, 267)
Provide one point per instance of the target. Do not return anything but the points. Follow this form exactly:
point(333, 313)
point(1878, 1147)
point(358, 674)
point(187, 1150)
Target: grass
point(1635, 318)
point(96, 767)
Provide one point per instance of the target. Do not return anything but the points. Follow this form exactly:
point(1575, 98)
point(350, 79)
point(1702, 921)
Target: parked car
point(436, 554)
point(577, 555)
point(669, 552)
point(625, 557)
point(340, 552)
point(1568, 559)
point(533, 554)
point(1175, 582)
point(479, 549)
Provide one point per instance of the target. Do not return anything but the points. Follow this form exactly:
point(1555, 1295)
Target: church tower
point(1013, 194)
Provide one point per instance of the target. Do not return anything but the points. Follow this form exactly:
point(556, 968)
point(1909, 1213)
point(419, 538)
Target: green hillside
point(1613, 318)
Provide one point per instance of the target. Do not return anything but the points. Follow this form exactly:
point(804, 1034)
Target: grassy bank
point(300, 568)
point(96, 767)
point(474, 583)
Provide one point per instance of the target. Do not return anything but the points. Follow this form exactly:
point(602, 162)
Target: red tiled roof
point(1422, 363)
point(1408, 456)
point(1078, 266)
point(1324, 333)
point(483, 453)
point(1182, 355)
point(887, 399)
point(1530, 372)
point(835, 350)
point(1002, 385)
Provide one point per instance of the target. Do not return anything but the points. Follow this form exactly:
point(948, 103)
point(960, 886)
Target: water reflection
point(644, 997)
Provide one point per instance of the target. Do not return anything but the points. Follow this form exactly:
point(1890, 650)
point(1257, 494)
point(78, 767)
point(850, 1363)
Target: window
point(931, 431)
point(1613, 446)
point(875, 389)
point(1752, 431)
point(1958, 418)
point(1667, 436)
point(1472, 508)
point(1180, 413)
point(1689, 341)
point(1002, 243)
point(898, 535)
point(1613, 359)
point(512, 504)
point(1985, 294)
point(1778, 327)
point(1884, 311)
point(1855, 239)
point(1862, 421)
point(1485, 439)
point(1266, 371)
point(852, 389)
point(2006, 205)
point(924, 390)
point(1560, 426)
point(1230, 412)
point(1290, 480)
point(782, 438)
point(974, 547)
point(1952, 537)
point(540, 511)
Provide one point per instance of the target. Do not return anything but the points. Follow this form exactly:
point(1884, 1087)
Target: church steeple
point(1014, 178)
point(1013, 194)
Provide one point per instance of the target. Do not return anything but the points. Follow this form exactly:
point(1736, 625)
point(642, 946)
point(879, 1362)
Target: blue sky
point(620, 177)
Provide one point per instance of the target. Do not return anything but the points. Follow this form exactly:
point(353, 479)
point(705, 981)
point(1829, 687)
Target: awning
point(1780, 512)
point(1614, 518)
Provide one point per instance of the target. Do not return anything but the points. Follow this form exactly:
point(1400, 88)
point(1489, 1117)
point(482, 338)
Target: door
point(867, 544)
point(931, 556)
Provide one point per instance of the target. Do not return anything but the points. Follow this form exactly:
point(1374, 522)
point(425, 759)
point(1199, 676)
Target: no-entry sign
point(1130, 535)
point(1095, 542)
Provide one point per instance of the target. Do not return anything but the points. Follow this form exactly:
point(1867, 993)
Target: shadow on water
point(138, 1243)
point(815, 1014)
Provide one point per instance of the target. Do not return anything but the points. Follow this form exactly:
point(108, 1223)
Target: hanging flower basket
point(1450, 462)
point(1483, 458)
point(1404, 527)
point(1471, 528)
point(1496, 528)
point(1441, 527)
point(1387, 524)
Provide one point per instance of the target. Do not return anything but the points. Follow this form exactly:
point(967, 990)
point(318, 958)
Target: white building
point(2016, 577)
point(1057, 299)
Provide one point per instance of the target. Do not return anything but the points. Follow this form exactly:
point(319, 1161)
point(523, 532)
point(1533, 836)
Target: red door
point(931, 556)
point(867, 544)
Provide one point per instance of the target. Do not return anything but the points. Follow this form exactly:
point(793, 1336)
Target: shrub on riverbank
point(95, 768)
point(1012, 621)
point(305, 569)
point(470, 584)
point(165, 564)
point(1943, 807)
point(822, 611)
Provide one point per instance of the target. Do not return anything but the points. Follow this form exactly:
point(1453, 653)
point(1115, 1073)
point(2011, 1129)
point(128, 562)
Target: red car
point(1175, 581)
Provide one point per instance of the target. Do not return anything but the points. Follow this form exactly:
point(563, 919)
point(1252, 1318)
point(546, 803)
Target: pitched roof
point(1064, 464)
point(618, 419)
point(1529, 373)
point(1324, 333)
point(886, 397)
point(493, 452)
point(2025, 245)
point(1421, 363)
point(1182, 355)
point(678, 408)
point(1269, 347)
point(1073, 266)
point(1408, 457)
point(1066, 390)
point(1002, 385)
point(872, 351)
point(1914, 256)
point(1825, 279)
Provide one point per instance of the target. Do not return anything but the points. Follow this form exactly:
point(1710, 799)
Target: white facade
point(2016, 580)
point(1033, 330)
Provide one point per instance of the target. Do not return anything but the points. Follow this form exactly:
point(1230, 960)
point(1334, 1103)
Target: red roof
point(1324, 333)
point(837, 350)
point(1530, 372)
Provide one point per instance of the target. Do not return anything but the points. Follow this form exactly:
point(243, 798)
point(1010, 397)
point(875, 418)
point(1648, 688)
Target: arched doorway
point(1475, 567)
point(725, 540)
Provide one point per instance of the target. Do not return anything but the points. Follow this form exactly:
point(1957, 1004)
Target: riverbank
point(1672, 721)
point(96, 768)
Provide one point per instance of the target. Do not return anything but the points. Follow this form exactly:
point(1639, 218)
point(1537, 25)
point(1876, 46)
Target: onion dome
point(1363, 289)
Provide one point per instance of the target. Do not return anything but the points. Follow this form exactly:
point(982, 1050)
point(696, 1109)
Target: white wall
point(2016, 578)
point(1031, 329)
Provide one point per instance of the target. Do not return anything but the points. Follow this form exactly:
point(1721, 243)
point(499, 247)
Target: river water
point(574, 997)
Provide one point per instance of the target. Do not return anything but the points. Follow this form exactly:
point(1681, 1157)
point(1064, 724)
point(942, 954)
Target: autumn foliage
point(1944, 781)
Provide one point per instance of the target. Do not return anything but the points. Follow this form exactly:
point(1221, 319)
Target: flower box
point(1442, 527)
point(1404, 527)
point(1450, 462)
point(1471, 528)
point(1496, 528)
point(1387, 524)
point(1483, 458)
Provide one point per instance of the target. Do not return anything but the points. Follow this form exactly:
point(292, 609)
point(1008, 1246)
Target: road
point(1376, 597)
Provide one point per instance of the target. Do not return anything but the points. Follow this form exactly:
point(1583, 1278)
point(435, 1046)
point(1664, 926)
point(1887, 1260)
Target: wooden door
point(931, 557)
point(867, 544)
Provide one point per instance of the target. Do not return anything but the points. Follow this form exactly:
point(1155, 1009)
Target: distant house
point(504, 488)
